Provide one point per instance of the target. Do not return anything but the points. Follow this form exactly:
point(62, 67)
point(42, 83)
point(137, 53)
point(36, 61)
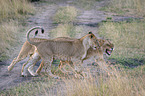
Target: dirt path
point(88, 19)
point(42, 18)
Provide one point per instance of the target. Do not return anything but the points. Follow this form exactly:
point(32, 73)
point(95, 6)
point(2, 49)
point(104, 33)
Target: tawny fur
point(76, 49)
point(26, 50)
point(104, 45)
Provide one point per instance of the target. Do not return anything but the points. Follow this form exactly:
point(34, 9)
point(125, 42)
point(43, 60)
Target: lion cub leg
point(30, 62)
point(63, 64)
point(48, 63)
point(30, 69)
point(40, 67)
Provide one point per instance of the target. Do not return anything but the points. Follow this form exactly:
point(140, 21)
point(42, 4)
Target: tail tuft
point(42, 30)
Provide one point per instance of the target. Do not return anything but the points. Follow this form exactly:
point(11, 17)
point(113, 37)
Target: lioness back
point(62, 48)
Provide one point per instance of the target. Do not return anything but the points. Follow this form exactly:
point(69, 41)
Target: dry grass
point(118, 84)
point(65, 14)
point(8, 37)
point(10, 10)
point(14, 9)
point(127, 7)
point(65, 30)
point(128, 39)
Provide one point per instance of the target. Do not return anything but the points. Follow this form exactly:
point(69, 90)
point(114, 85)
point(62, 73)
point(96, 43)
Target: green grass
point(127, 7)
point(35, 87)
point(85, 4)
point(65, 14)
point(128, 39)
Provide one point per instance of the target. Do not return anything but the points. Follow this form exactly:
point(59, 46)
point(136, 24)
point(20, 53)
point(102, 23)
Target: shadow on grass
point(129, 62)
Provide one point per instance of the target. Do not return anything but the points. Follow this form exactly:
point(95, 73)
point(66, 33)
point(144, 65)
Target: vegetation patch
point(128, 39)
point(35, 87)
point(85, 4)
point(127, 7)
point(11, 12)
point(8, 37)
point(13, 9)
point(65, 30)
point(65, 14)
point(116, 85)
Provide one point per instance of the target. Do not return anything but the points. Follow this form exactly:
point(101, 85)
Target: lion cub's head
point(107, 46)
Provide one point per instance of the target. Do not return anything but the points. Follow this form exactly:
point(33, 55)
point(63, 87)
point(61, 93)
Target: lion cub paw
point(24, 75)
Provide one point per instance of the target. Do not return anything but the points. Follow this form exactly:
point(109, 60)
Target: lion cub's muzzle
point(109, 51)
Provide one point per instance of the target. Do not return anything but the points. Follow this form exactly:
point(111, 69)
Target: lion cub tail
point(29, 31)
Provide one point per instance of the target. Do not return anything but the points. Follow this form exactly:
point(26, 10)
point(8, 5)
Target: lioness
point(64, 50)
point(105, 47)
point(28, 50)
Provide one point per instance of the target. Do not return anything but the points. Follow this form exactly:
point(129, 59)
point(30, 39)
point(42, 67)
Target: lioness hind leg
point(30, 62)
point(11, 66)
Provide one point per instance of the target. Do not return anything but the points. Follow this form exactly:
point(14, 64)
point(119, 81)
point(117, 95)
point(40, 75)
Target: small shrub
point(64, 30)
point(65, 15)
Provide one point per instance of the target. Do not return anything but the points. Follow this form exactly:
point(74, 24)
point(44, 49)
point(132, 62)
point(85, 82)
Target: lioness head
point(94, 41)
point(107, 46)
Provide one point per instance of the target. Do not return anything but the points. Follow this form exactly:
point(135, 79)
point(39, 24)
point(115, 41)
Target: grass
point(65, 30)
point(35, 87)
point(85, 4)
point(14, 9)
point(65, 14)
point(11, 12)
point(120, 82)
point(127, 7)
point(115, 85)
point(8, 38)
point(128, 39)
